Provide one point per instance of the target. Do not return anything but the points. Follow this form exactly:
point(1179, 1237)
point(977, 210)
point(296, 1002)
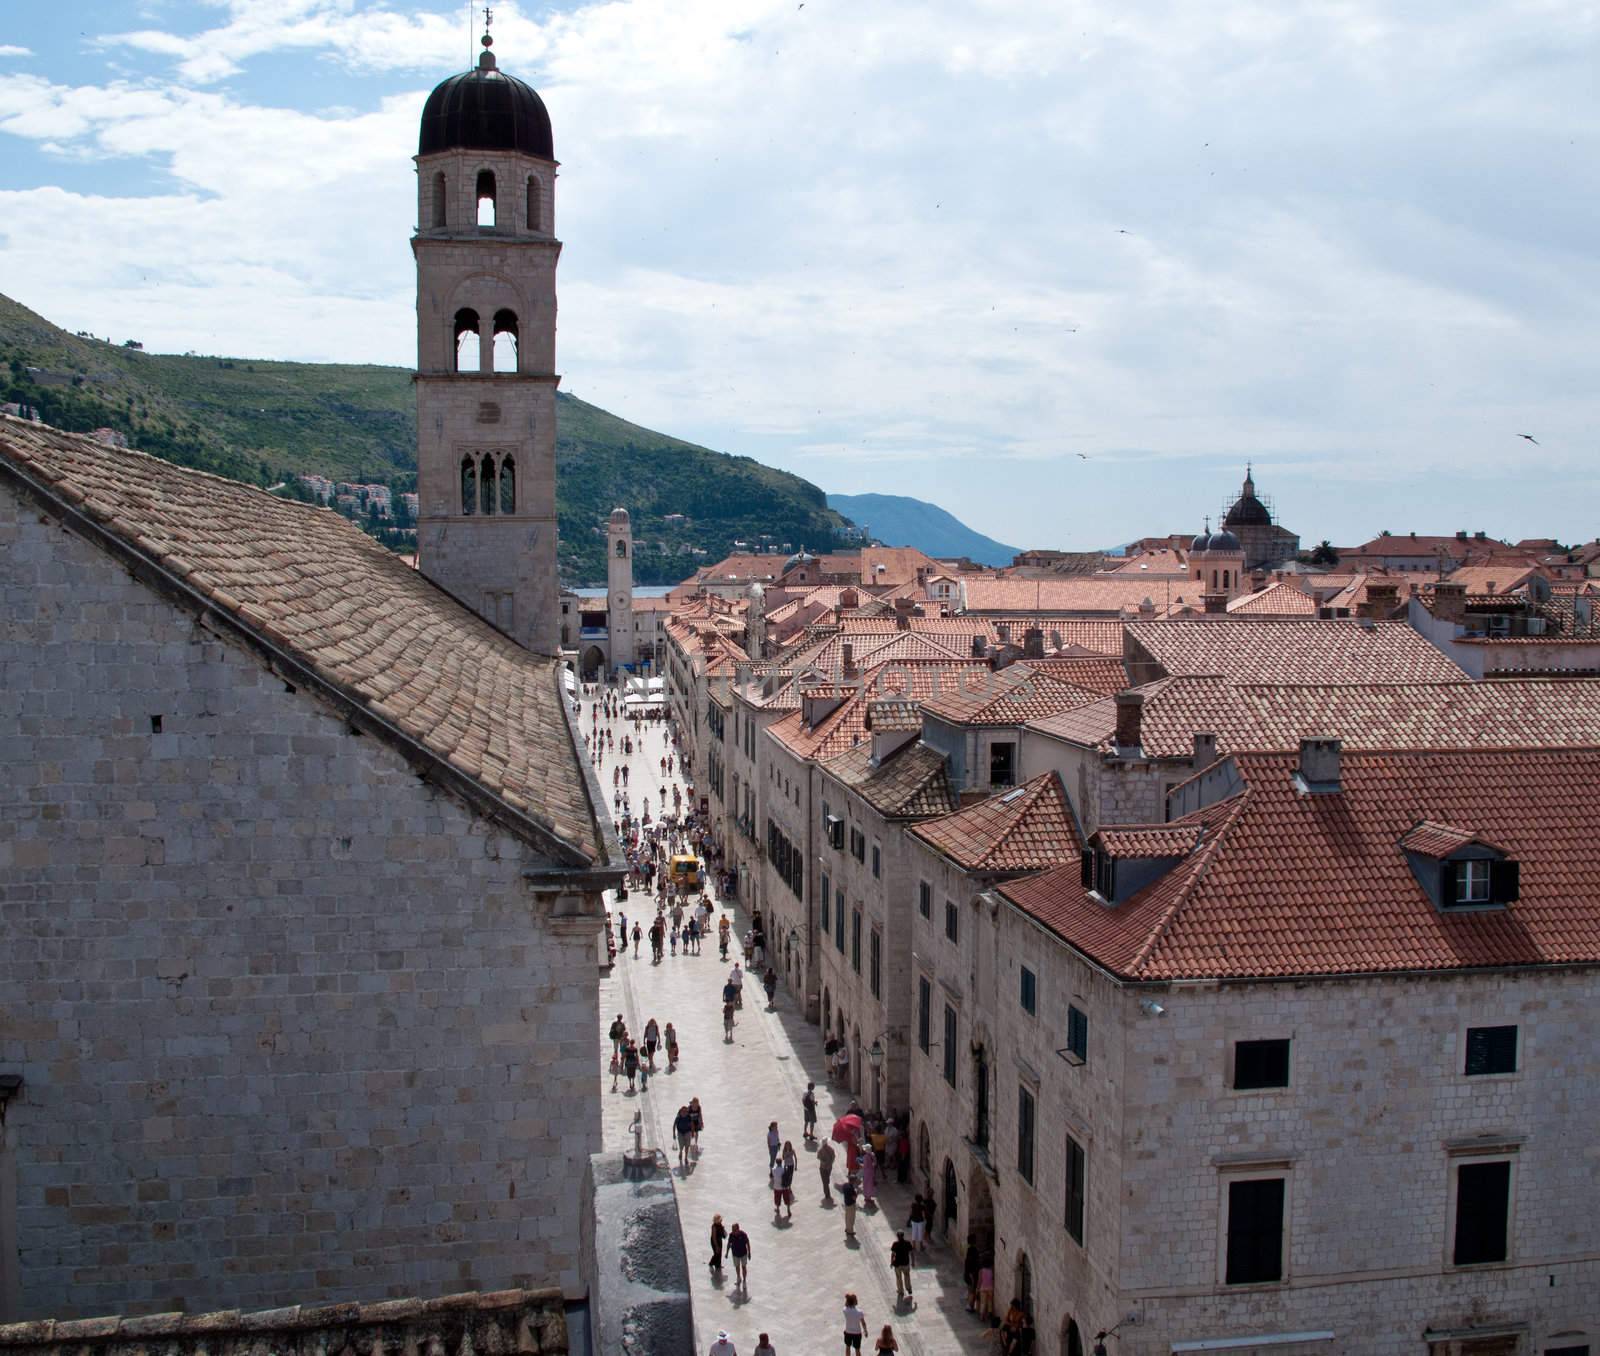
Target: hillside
point(264, 422)
point(896, 520)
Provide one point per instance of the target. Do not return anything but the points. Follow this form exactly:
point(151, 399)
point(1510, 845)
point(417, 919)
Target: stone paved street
point(799, 1269)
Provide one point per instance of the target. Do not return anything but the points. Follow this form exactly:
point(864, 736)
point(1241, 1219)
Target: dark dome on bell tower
point(485, 109)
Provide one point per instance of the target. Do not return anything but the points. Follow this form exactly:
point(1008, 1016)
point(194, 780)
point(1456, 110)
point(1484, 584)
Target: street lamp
point(875, 1058)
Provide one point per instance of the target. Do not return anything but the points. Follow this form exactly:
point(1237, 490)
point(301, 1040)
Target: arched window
point(466, 340)
point(486, 486)
point(439, 214)
point(622, 550)
point(950, 1204)
point(485, 197)
point(533, 203)
point(505, 341)
point(1213, 579)
point(508, 485)
point(469, 485)
point(1224, 579)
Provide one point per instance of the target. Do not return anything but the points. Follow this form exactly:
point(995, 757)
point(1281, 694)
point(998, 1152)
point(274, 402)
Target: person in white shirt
point(723, 1347)
point(855, 1324)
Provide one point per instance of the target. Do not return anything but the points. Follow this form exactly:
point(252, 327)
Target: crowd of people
point(667, 906)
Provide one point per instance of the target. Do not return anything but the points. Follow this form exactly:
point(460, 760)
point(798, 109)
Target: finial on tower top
point(486, 59)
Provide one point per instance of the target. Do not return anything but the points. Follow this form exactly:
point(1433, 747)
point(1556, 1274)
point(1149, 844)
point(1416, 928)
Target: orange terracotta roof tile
point(1325, 652)
point(910, 783)
point(1287, 884)
point(1280, 599)
point(1009, 696)
point(1088, 595)
point(1440, 840)
point(1029, 828)
point(378, 633)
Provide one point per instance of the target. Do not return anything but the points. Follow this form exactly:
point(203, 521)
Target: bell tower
point(486, 257)
point(619, 590)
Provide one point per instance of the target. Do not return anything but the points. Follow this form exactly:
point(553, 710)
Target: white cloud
point(8, 49)
point(907, 242)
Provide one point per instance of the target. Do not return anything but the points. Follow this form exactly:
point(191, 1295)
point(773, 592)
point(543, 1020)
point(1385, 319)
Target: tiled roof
point(1009, 696)
point(1440, 840)
point(1505, 577)
point(1149, 840)
point(1326, 652)
point(846, 726)
point(1165, 561)
point(1095, 674)
point(431, 675)
point(1104, 595)
point(910, 782)
point(1275, 600)
point(1029, 828)
point(1288, 884)
point(894, 715)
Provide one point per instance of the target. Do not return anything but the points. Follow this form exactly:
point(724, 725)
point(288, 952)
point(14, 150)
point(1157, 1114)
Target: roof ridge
point(1199, 863)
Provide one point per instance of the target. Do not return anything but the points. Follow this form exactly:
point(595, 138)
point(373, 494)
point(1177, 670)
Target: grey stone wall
point(292, 1026)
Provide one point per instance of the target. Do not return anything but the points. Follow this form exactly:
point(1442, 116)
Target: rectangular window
point(1025, 1134)
point(1483, 1205)
point(1075, 1184)
point(1255, 1231)
point(826, 917)
point(952, 922)
point(855, 940)
point(838, 920)
point(1030, 991)
point(1002, 759)
point(1260, 1064)
point(925, 899)
point(1472, 882)
point(877, 860)
point(1077, 1035)
point(949, 1045)
point(924, 1006)
point(875, 964)
point(1491, 1050)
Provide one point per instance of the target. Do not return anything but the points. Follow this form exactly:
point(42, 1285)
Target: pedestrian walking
point(869, 1177)
point(727, 1021)
point(790, 1158)
point(719, 1236)
point(670, 1036)
point(774, 1143)
point(900, 1261)
point(723, 1346)
point(902, 1158)
point(739, 1250)
point(764, 1347)
point(855, 1324)
point(969, 1272)
point(699, 1122)
point(630, 1064)
point(825, 1157)
point(683, 1132)
point(616, 1069)
point(652, 1042)
point(917, 1222)
point(986, 1287)
point(786, 1167)
point(638, 936)
point(619, 1028)
point(769, 982)
point(886, 1340)
point(847, 1197)
point(775, 1180)
point(808, 1106)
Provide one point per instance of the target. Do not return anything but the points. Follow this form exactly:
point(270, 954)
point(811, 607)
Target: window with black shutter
point(1025, 1134)
point(855, 940)
point(838, 920)
point(1260, 1064)
point(1086, 868)
point(1505, 882)
point(924, 1003)
point(949, 1045)
point(1077, 1035)
point(1483, 1200)
point(925, 899)
point(1075, 1196)
point(1491, 1050)
point(1255, 1231)
point(1030, 991)
point(952, 922)
point(826, 917)
point(875, 965)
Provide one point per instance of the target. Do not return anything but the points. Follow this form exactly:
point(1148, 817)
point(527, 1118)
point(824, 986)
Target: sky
point(1061, 268)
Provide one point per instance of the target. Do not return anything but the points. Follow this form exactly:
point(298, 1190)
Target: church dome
point(485, 110)
point(619, 517)
point(1247, 510)
point(1220, 540)
point(801, 557)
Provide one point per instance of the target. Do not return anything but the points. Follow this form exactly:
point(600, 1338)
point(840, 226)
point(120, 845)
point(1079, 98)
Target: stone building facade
point(298, 981)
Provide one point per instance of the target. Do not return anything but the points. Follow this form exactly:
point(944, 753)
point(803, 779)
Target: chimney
point(978, 647)
point(1258, 580)
point(1449, 601)
point(1033, 643)
point(1216, 604)
point(847, 661)
point(1130, 712)
point(1205, 750)
point(1318, 773)
point(849, 598)
point(1380, 601)
point(902, 614)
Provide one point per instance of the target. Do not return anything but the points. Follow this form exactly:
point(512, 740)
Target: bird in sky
point(1530, 438)
point(1083, 456)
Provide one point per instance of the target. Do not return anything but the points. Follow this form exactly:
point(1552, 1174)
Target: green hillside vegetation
point(267, 422)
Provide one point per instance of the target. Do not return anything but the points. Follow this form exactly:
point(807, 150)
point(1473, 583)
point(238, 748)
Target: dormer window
point(1460, 870)
point(1472, 882)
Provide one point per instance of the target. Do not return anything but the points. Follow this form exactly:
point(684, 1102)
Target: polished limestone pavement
point(800, 1269)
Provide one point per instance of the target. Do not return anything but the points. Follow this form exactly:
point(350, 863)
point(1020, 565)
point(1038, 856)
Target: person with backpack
point(630, 1063)
point(683, 1132)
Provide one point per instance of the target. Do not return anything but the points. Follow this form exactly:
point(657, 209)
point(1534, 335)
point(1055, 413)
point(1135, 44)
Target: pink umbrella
point(847, 1129)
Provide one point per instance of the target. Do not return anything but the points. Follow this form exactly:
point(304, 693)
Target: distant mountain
point(896, 520)
point(266, 422)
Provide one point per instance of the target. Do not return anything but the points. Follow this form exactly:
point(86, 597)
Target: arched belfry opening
point(505, 341)
point(485, 197)
point(488, 492)
point(469, 485)
point(466, 340)
point(622, 550)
